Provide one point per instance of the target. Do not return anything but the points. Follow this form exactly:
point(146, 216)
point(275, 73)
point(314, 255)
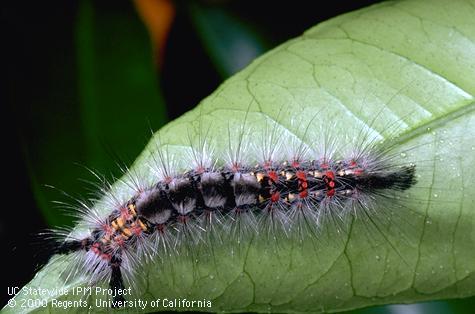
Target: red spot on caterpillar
point(183, 219)
point(329, 183)
point(235, 167)
point(95, 248)
point(275, 197)
point(200, 169)
point(358, 172)
point(273, 176)
point(106, 257)
point(295, 164)
point(301, 175)
point(119, 241)
point(302, 183)
point(353, 164)
point(161, 228)
point(136, 230)
point(125, 214)
point(330, 175)
point(167, 180)
point(107, 229)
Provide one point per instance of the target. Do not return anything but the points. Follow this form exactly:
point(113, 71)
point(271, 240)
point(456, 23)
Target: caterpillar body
point(276, 193)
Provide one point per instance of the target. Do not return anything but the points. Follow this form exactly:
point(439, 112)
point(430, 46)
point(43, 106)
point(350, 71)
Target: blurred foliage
point(116, 105)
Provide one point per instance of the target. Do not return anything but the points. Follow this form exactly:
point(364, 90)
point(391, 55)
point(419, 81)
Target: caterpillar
point(287, 191)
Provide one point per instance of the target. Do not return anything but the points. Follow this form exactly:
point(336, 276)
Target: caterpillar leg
point(116, 282)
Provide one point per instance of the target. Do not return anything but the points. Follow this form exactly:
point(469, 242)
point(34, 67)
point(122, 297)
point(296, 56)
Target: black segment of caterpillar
point(179, 199)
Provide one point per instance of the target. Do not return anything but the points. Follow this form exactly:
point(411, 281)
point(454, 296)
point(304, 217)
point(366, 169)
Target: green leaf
point(410, 64)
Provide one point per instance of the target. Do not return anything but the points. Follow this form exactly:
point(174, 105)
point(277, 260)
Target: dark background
point(84, 86)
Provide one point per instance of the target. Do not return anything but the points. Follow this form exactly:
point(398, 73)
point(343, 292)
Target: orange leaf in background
point(157, 16)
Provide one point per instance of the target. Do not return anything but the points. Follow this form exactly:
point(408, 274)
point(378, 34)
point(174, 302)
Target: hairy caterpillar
point(374, 183)
point(280, 188)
